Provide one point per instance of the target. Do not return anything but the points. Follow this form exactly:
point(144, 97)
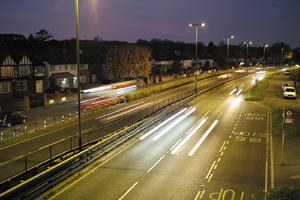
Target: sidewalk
point(288, 174)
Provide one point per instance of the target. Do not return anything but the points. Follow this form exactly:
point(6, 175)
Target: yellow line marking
point(227, 142)
point(198, 194)
point(216, 166)
point(210, 177)
point(202, 193)
point(224, 148)
point(85, 175)
point(222, 153)
point(219, 159)
point(210, 170)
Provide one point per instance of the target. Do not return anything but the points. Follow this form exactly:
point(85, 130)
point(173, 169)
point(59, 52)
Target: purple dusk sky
point(260, 21)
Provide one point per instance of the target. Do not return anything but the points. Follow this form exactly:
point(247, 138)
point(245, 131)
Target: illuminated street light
point(264, 55)
point(228, 43)
point(78, 79)
point(247, 43)
point(196, 49)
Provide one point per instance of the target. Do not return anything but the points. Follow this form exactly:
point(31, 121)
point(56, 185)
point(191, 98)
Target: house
point(21, 74)
point(65, 75)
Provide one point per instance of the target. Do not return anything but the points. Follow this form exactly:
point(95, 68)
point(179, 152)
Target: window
point(24, 70)
point(5, 87)
point(7, 71)
point(52, 68)
point(73, 67)
point(39, 70)
point(21, 85)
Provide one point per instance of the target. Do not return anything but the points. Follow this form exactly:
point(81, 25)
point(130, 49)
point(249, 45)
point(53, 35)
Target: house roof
point(61, 75)
point(17, 57)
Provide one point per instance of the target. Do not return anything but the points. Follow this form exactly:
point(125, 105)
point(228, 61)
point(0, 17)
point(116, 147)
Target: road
point(215, 149)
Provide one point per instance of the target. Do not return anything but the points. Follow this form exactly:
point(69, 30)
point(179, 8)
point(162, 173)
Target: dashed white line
point(155, 163)
point(128, 190)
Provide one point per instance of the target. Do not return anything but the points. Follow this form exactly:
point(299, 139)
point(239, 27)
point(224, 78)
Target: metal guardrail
point(67, 167)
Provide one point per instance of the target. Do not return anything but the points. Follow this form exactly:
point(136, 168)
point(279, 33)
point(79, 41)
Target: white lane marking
point(92, 171)
point(175, 150)
point(155, 163)
point(198, 194)
point(191, 153)
point(212, 166)
point(162, 124)
point(128, 190)
point(111, 113)
point(176, 122)
point(202, 193)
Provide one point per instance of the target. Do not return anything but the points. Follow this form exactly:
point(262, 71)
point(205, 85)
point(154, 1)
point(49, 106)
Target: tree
point(42, 35)
point(127, 61)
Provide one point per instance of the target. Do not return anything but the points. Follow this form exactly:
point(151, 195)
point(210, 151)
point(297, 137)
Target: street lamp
point(196, 50)
point(228, 43)
point(247, 43)
point(264, 55)
point(78, 76)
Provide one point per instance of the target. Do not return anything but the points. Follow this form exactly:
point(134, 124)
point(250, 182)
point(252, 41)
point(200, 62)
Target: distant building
point(21, 74)
point(65, 75)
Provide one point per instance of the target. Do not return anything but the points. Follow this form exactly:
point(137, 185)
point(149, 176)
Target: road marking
point(216, 165)
point(198, 194)
point(219, 159)
point(91, 171)
point(230, 136)
point(155, 163)
point(210, 169)
point(128, 190)
point(227, 142)
point(202, 193)
point(222, 146)
point(221, 154)
point(210, 177)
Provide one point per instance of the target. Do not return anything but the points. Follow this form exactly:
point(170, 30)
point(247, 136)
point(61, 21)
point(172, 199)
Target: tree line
point(119, 60)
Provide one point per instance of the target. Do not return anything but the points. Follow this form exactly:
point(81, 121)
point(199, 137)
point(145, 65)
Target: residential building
point(21, 74)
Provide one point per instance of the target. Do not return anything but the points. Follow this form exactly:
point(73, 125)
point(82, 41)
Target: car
point(289, 92)
point(287, 72)
point(7, 119)
point(284, 85)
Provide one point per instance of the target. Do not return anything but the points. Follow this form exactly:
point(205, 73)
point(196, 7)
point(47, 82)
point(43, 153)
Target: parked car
point(284, 85)
point(289, 92)
point(7, 119)
point(287, 72)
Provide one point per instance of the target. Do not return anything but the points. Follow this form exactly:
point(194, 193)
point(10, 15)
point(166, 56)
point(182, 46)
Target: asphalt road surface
point(214, 149)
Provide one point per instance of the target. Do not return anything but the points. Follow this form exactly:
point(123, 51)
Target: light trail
point(128, 111)
point(175, 150)
point(176, 122)
point(232, 91)
point(162, 124)
point(194, 149)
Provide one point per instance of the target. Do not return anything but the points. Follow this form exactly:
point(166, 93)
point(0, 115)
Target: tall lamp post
point(264, 52)
point(227, 58)
point(196, 51)
point(78, 76)
point(247, 43)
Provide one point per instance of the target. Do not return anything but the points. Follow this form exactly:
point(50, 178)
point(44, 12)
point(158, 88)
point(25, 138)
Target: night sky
point(260, 21)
